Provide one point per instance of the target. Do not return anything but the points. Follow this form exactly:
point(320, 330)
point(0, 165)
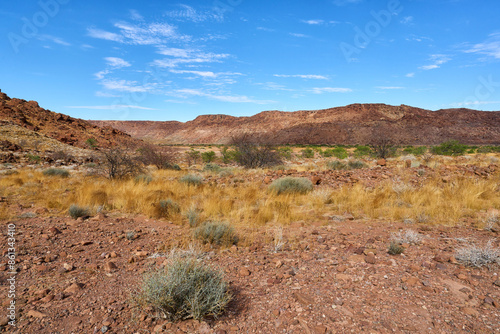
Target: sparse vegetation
point(193, 216)
point(191, 179)
point(407, 237)
point(395, 248)
point(160, 157)
point(362, 151)
point(252, 155)
point(208, 156)
point(307, 153)
point(166, 208)
point(56, 172)
point(184, 289)
point(291, 185)
point(76, 211)
point(118, 164)
point(216, 233)
point(192, 156)
point(452, 147)
point(211, 167)
point(476, 256)
point(143, 178)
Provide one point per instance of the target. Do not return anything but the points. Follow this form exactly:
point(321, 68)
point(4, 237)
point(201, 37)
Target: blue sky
point(169, 60)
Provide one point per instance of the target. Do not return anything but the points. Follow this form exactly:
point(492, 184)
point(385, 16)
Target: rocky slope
point(351, 124)
point(63, 128)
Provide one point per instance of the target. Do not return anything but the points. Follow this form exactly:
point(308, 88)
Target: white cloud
point(274, 86)
point(437, 59)
point(389, 87)
point(410, 75)
point(110, 107)
point(124, 86)
point(407, 20)
point(330, 90)
point(140, 33)
point(474, 103)
point(174, 52)
point(298, 35)
point(222, 98)
point(205, 74)
point(105, 94)
point(313, 22)
point(490, 47)
point(193, 57)
point(134, 15)
point(116, 63)
point(102, 34)
point(53, 39)
point(265, 29)
point(188, 13)
point(302, 76)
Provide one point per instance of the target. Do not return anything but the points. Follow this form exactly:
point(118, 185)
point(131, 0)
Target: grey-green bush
point(216, 233)
point(211, 167)
point(143, 178)
point(356, 164)
point(76, 211)
point(336, 165)
point(193, 216)
point(184, 289)
point(166, 208)
point(191, 179)
point(291, 185)
point(395, 248)
point(56, 172)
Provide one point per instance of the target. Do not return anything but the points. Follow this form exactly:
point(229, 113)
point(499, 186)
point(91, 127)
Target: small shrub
point(166, 208)
point(475, 256)
point(407, 237)
point(184, 289)
point(340, 152)
point(208, 156)
point(336, 165)
point(56, 172)
point(216, 233)
point(175, 167)
point(307, 153)
point(191, 179)
point(290, 185)
point(452, 147)
point(395, 248)
point(227, 155)
point(211, 167)
point(362, 151)
point(130, 235)
point(33, 158)
point(356, 164)
point(143, 178)
point(250, 154)
point(419, 150)
point(285, 152)
point(193, 216)
point(76, 211)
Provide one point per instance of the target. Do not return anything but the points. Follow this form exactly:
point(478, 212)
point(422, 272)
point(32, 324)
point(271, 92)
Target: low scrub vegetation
point(76, 211)
point(291, 185)
point(166, 208)
point(216, 233)
point(56, 172)
point(184, 289)
point(476, 256)
point(191, 179)
point(452, 147)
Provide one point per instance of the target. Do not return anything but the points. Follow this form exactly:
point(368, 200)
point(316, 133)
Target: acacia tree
point(118, 164)
point(251, 154)
point(161, 157)
point(383, 141)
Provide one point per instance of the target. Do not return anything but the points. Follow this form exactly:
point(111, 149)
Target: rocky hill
point(63, 128)
point(352, 124)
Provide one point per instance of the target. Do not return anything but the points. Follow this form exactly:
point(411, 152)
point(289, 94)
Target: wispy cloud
point(313, 22)
point(188, 57)
point(410, 75)
point(389, 87)
point(134, 15)
point(139, 33)
point(490, 47)
point(473, 103)
point(188, 13)
point(323, 90)
point(223, 98)
point(438, 60)
point(298, 35)
point(125, 86)
point(408, 20)
point(53, 39)
point(302, 76)
point(274, 86)
point(110, 107)
point(117, 63)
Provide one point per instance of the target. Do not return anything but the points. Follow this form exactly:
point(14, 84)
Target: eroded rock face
point(66, 129)
point(352, 124)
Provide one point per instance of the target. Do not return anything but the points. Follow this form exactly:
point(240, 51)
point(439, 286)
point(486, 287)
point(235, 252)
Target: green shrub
point(191, 179)
point(395, 248)
point(488, 149)
point(166, 208)
point(216, 233)
point(452, 147)
point(76, 211)
point(143, 178)
point(33, 158)
point(419, 150)
point(175, 167)
point(340, 152)
point(184, 289)
point(356, 164)
point(289, 185)
point(56, 172)
point(307, 153)
point(211, 167)
point(208, 156)
point(336, 165)
point(285, 152)
point(227, 155)
point(362, 151)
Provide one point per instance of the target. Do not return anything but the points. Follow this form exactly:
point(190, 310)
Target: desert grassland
point(250, 204)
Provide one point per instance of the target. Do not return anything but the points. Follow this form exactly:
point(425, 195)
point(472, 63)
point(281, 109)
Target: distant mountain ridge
point(352, 124)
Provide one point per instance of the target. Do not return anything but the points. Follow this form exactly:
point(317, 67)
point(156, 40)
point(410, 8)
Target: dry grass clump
point(184, 289)
point(166, 208)
point(56, 172)
point(216, 233)
point(476, 256)
point(76, 211)
point(291, 185)
point(395, 248)
point(407, 237)
point(191, 179)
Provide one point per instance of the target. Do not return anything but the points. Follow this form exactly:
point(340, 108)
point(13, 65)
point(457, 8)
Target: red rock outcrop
point(66, 129)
